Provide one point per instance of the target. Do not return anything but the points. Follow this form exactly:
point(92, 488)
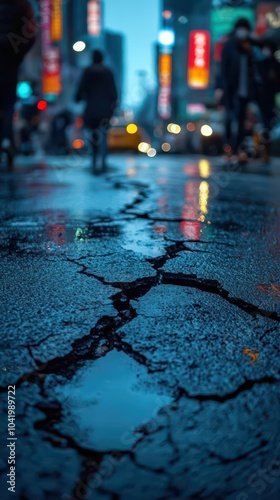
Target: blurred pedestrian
point(98, 89)
point(270, 74)
point(241, 83)
point(58, 137)
point(17, 35)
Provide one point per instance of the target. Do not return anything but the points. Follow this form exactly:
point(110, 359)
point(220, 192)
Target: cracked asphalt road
point(140, 325)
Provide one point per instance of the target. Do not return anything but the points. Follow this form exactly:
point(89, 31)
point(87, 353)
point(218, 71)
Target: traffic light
point(42, 105)
point(24, 90)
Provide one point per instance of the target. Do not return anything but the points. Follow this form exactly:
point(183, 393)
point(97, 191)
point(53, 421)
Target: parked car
point(125, 136)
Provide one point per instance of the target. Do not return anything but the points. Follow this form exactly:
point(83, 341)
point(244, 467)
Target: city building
point(53, 65)
point(186, 64)
point(114, 50)
point(182, 17)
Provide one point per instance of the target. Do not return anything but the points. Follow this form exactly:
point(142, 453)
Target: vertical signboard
point(51, 71)
point(46, 15)
point(165, 83)
point(94, 18)
point(56, 21)
point(199, 60)
point(51, 78)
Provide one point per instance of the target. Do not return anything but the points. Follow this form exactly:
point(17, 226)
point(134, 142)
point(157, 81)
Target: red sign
point(94, 18)
point(51, 71)
point(199, 60)
point(165, 80)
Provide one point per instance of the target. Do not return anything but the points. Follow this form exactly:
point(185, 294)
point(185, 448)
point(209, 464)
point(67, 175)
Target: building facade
point(215, 17)
point(60, 25)
point(114, 50)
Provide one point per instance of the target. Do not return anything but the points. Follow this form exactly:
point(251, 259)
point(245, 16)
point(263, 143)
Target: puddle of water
point(103, 231)
point(59, 234)
point(107, 403)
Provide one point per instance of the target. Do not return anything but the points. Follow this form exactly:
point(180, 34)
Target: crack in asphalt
point(226, 461)
point(106, 329)
point(105, 335)
point(91, 459)
point(171, 252)
point(245, 387)
point(214, 287)
point(140, 198)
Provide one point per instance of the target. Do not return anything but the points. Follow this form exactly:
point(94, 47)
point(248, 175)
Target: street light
point(79, 46)
point(166, 38)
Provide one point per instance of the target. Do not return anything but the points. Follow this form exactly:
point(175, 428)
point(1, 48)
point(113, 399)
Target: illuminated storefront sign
point(165, 82)
point(46, 16)
point(199, 60)
point(56, 23)
point(165, 70)
point(51, 71)
point(51, 31)
point(94, 18)
point(224, 19)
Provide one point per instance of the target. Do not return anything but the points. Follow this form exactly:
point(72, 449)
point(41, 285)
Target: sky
point(139, 22)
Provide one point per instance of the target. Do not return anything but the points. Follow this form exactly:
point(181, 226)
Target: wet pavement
point(140, 324)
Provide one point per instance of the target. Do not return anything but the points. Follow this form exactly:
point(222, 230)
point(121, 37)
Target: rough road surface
point(140, 325)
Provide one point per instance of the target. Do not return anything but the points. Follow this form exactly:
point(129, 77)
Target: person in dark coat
point(98, 89)
point(240, 81)
point(270, 74)
point(17, 35)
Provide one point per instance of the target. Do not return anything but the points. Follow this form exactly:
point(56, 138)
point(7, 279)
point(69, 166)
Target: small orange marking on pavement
point(270, 288)
point(253, 355)
point(160, 229)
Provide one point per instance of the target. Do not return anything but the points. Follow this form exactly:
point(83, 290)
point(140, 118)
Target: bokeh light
point(204, 168)
point(78, 144)
point(167, 14)
point(152, 152)
point(227, 149)
point(183, 20)
point(166, 38)
point(191, 127)
point(206, 130)
point(144, 147)
point(131, 172)
point(132, 128)
point(173, 128)
point(166, 147)
point(42, 105)
point(79, 46)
